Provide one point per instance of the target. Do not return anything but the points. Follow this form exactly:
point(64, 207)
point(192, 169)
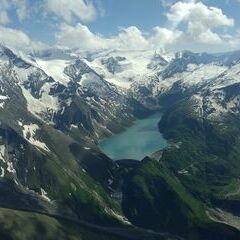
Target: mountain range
point(57, 104)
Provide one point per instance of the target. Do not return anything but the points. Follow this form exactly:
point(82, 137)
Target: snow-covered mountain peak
point(145, 75)
point(8, 56)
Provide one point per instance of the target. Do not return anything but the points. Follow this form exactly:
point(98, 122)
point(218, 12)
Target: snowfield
point(55, 69)
point(29, 133)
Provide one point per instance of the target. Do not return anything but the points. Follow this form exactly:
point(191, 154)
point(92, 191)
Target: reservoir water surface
point(140, 140)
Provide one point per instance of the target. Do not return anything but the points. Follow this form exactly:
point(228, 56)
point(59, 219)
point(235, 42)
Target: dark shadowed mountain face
point(57, 105)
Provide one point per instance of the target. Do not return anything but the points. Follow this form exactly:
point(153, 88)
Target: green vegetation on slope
point(154, 198)
point(19, 225)
point(208, 150)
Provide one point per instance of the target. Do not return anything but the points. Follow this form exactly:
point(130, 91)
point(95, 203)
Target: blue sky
point(147, 14)
point(207, 25)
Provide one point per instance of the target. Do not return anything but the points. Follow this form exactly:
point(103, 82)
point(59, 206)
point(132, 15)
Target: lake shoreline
point(142, 139)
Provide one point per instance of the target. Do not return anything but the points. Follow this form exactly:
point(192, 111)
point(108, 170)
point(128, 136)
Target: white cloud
point(233, 42)
point(163, 37)
point(130, 38)
point(68, 10)
point(4, 7)
point(4, 19)
point(21, 9)
point(20, 6)
point(18, 40)
point(200, 19)
point(195, 12)
point(13, 37)
point(81, 37)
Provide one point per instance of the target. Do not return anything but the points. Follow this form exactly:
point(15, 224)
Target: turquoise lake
point(136, 142)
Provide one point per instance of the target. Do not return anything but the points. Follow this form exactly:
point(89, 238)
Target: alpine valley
point(57, 104)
